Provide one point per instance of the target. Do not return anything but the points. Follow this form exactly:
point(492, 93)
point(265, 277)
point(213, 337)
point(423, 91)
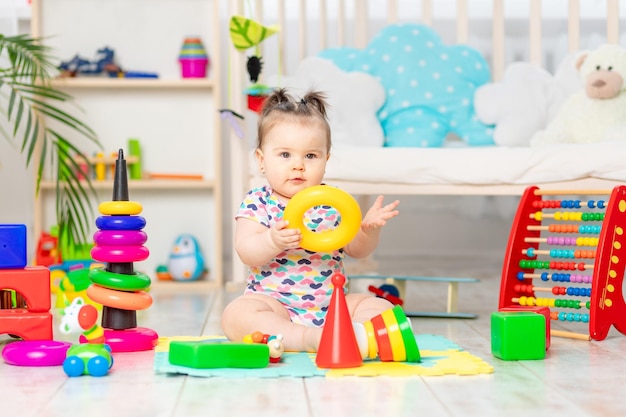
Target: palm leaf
point(31, 104)
point(246, 33)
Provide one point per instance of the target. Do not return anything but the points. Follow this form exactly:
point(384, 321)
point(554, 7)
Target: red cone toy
point(338, 347)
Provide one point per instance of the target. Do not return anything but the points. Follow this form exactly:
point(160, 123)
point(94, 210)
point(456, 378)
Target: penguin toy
point(186, 262)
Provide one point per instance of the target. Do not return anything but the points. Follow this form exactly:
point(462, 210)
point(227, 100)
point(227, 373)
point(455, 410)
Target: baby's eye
point(284, 154)
point(610, 68)
point(311, 156)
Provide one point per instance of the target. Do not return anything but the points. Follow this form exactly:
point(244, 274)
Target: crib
point(531, 31)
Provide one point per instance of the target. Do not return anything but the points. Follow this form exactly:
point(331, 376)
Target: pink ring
point(120, 237)
point(125, 300)
point(130, 340)
point(35, 353)
point(120, 253)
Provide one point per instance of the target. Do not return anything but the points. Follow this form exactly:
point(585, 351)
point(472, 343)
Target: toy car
point(93, 359)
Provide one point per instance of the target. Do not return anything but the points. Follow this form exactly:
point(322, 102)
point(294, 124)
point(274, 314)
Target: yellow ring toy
point(324, 195)
point(113, 208)
point(398, 350)
point(137, 300)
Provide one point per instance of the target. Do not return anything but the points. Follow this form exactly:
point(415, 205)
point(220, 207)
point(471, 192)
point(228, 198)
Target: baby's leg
point(363, 307)
point(257, 312)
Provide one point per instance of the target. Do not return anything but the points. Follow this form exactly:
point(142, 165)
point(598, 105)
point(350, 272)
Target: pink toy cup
point(194, 68)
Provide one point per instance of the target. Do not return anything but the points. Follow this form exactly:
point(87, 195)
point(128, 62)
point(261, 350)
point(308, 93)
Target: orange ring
point(371, 340)
point(385, 353)
point(125, 300)
point(395, 337)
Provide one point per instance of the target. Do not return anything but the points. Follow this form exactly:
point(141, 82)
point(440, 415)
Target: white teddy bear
point(598, 111)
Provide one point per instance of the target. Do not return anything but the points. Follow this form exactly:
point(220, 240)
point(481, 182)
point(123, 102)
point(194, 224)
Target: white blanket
point(478, 165)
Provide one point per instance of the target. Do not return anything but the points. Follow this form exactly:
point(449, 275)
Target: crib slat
point(392, 11)
point(341, 22)
point(302, 31)
point(281, 37)
point(462, 22)
point(427, 12)
point(573, 25)
point(323, 25)
point(612, 21)
point(361, 18)
point(498, 39)
point(535, 32)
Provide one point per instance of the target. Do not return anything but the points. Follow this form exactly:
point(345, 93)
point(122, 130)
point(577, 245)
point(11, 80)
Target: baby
point(289, 288)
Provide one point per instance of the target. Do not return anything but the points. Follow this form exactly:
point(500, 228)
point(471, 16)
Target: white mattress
point(478, 165)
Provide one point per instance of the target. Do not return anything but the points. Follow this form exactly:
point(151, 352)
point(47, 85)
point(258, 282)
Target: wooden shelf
point(150, 83)
point(146, 184)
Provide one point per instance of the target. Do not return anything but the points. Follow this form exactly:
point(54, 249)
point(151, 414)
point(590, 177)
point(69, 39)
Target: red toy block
point(535, 309)
point(32, 282)
point(338, 346)
point(26, 324)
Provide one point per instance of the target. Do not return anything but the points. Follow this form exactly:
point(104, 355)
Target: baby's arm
point(368, 236)
point(257, 244)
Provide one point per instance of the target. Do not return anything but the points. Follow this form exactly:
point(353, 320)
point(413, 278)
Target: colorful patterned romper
point(298, 278)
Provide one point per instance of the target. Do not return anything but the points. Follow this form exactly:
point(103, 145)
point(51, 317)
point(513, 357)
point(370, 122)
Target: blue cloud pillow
point(429, 86)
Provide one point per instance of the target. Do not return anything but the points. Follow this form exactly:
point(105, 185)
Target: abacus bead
point(585, 318)
point(576, 203)
point(520, 275)
point(530, 252)
point(591, 204)
point(544, 276)
point(601, 204)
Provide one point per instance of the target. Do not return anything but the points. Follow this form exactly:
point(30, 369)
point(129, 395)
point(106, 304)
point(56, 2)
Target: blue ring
point(120, 222)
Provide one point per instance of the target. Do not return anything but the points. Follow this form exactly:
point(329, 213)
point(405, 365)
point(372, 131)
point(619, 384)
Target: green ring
point(410, 344)
point(135, 282)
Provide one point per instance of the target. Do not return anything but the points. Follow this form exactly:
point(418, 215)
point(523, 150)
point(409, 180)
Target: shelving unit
point(176, 120)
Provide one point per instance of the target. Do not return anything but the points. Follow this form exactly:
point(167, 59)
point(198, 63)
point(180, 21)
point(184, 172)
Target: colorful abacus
point(121, 290)
point(579, 244)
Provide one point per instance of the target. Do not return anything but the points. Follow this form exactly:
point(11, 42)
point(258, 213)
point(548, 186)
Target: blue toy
point(186, 262)
point(429, 86)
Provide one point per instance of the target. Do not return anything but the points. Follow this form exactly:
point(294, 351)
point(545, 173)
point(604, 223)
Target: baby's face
point(293, 157)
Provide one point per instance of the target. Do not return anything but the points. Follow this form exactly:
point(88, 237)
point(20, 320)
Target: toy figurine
point(186, 262)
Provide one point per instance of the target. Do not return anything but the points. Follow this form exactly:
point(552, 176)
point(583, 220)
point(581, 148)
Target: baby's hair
point(281, 106)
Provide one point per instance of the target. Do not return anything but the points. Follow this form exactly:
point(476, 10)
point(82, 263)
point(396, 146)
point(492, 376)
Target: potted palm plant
point(46, 132)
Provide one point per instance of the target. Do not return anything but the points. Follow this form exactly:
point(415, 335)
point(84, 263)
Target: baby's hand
point(377, 216)
point(285, 237)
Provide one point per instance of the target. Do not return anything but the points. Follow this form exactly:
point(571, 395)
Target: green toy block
point(209, 355)
point(518, 335)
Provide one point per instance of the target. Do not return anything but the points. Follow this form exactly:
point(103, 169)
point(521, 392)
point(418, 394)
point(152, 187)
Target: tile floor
point(577, 378)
